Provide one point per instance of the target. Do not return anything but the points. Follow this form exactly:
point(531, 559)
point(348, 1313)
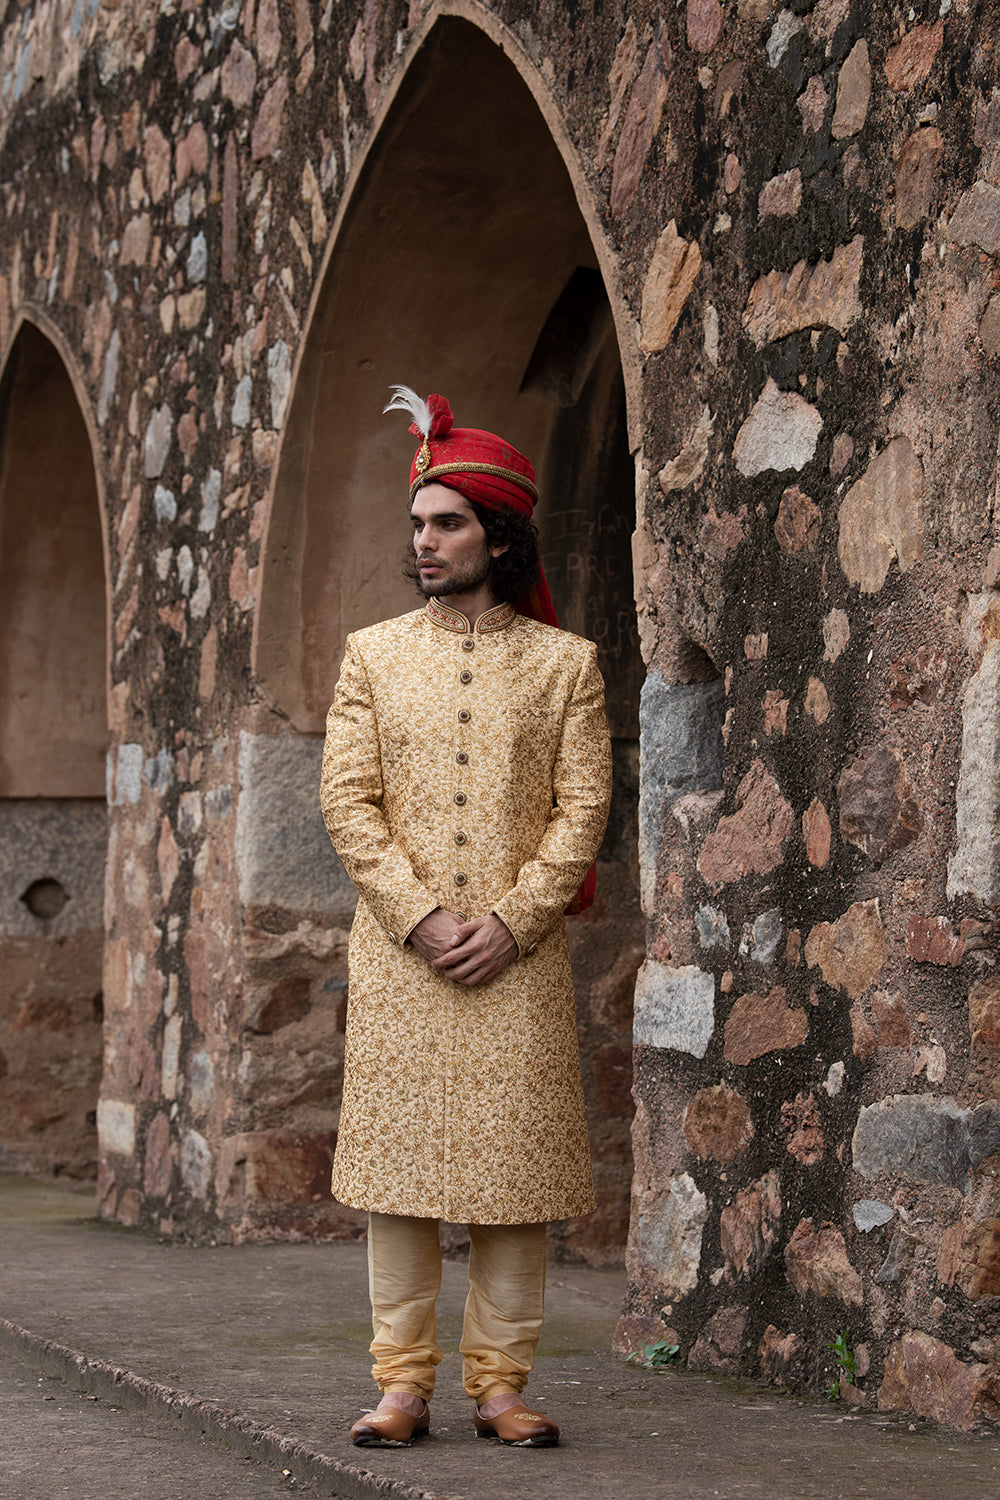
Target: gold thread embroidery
point(425, 474)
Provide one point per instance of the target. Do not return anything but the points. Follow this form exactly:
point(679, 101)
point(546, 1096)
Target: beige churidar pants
point(503, 1312)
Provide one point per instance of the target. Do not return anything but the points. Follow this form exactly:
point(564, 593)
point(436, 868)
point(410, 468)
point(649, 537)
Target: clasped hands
point(469, 952)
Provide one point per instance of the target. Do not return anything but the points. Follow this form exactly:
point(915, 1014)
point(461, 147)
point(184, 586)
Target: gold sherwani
point(469, 770)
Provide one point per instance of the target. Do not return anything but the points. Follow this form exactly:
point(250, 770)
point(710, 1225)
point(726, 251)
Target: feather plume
point(405, 399)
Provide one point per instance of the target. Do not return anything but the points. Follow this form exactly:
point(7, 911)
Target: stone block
point(816, 1261)
point(881, 517)
point(704, 24)
point(667, 1233)
point(719, 1344)
point(871, 1214)
point(796, 528)
point(915, 176)
point(116, 1127)
point(984, 1016)
point(680, 752)
point(283, 852)
point(800, 1118)
point(759, 1024)
point(674, 1008)
point(51, 847)
point(634, 1332)
point(749, 1227)
point(915, 1136)
point(850, 952)
point(879, 813)
point(854, 88)
point(826, 294)
point(976, 220)
point(974, 868)
point(717, 1123)
point(817, 834)
point(689, 464)
point(781, 196)
point(642, 121)
point(752, 838)
point(924, 1376)
point(780, 433)
point(934, 940)
point(909, 62)
point(782, 1357)
point(671, 275)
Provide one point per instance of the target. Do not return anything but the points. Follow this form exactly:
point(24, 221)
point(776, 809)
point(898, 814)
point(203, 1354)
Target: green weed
point(655, 1356)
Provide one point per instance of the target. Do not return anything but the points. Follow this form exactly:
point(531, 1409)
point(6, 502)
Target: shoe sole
point(494, 1437)
point(381, 1442)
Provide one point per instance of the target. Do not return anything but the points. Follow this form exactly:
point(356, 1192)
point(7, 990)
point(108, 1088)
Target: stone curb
point(236, 1431)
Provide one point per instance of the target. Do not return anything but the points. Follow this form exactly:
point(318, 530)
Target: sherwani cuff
point(416, 914)
point(527, 925)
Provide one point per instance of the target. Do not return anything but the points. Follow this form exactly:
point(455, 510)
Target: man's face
point(453, 555)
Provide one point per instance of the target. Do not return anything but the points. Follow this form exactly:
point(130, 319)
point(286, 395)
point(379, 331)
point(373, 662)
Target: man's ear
point(499, 551)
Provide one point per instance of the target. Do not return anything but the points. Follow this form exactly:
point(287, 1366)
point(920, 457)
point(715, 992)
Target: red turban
point(491, 472)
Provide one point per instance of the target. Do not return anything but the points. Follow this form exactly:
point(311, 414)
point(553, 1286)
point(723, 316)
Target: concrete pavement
point(263, 1349)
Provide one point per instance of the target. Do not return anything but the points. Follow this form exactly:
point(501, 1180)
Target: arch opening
point(464, 266)
point(53, 743)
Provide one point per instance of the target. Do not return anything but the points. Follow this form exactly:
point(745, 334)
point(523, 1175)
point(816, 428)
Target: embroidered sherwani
point(471, 770)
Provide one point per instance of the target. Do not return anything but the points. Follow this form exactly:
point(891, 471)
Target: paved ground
point(263, 1349)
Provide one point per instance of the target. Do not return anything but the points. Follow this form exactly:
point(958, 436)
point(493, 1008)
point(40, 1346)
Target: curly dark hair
point(514, 571)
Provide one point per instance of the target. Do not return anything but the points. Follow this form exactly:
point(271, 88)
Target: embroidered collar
point(497, 618)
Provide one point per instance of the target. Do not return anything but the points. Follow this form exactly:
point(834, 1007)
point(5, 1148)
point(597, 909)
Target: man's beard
point(460, 580)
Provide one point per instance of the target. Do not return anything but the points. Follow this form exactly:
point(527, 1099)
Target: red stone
point(817, 833)
point(159, 1160)
point(816, 1261)
point(641, 122)
point(798, 522)
point(704, 24)
point(781, 1357)
point(878, 810)
point(892, 1025)
point(910, 61)
point(751, 838)
point(186, 58)
point(933, 940)
point(718, 1346)
point(717, 1123)
point(924, 1376)
point(749, 1227)
point(270, 119)
point(759, 1024)
point(800, 1117)
point(984, 1016)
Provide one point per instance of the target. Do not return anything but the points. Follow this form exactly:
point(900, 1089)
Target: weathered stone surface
point(674, 1008)
point(817, 701)
point(238, 77)
point(717, 1123)
point(713, 928)
point(159, 434)
point(718, 1346)
point(800, 1117)
point(780, 433)
point(851, 951)
point(977, 1271)
point(924, 1376)
point(782, 1357)
point(680, 752)
point(914, 1135)
point(881, 517)
point(667, 1235)
point(915, 176)
point(116, 1127)
point(984, 1016)
point(62, 841)
point(974, 868)
point(989, 326)
point(934, 940)
point(671, 275)
point(749, 1227)
point(635, 1332)
point(270, 119)
point(870, 1213)
point(878, 810)
point(641, 123)
point(822, 295)
point(797, 524)
point(854, 87)
point(758, 1024)
point(689, 464)
point(976, 220)
point(283, 852)
point(817, 833)
point(704, 24)
point(763, 936)
point(910, 61)
point(272, 1167)
point(775, 712)
point(751, 838)
point(781, 196)
point(816, 1261)
point(721, 534)
point(864, 1039)
point(892, 1024)
point(841, 453)
point(836, 634)
point(812, 103)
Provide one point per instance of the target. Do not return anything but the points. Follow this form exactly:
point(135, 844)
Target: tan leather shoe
point(389, 1428)
point(519, 1427)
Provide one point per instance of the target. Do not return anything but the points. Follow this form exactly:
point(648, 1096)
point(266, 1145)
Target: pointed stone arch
point(462, 261)
point(53, 743)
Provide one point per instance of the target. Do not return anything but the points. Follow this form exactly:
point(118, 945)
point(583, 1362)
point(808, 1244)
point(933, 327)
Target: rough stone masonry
point(767, 247)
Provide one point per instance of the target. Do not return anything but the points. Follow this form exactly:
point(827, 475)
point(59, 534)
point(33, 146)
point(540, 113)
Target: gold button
point(465, 676)
point(468, 644)
point(461, 838)
point(460, 879)
point(464, 716)
point(460, 799)
point(462, 758)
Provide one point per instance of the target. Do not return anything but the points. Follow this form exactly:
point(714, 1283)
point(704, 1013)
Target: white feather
point(405, 399)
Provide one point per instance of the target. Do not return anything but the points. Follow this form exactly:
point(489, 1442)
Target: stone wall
point(795, 214)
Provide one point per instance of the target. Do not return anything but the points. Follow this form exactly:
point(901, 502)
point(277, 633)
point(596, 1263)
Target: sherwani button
point(461, 838)
point(465, 676)
point(464, 716)
point(462, 758)
point(468, 644)
point(460, 878)
point(460, 799)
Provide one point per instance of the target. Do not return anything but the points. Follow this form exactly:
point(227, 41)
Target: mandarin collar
point(497, 618)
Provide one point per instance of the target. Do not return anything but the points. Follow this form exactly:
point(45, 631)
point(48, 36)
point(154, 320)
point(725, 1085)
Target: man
point(466, 783)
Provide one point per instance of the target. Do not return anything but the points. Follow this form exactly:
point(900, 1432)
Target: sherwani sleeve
point(351, 794)
point(581, 789)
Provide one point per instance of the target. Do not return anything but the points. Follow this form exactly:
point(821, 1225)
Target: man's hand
point(478, 950)
point(434, 935)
